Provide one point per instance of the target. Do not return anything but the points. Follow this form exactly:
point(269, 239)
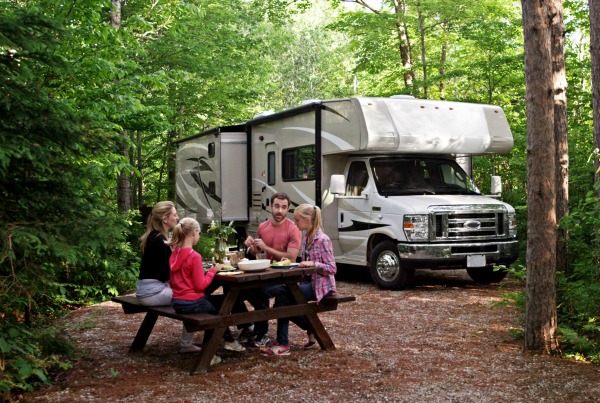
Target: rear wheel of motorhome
point(386, 269)
point(486, 275)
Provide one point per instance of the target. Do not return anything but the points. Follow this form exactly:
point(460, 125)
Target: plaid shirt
point(320, 252)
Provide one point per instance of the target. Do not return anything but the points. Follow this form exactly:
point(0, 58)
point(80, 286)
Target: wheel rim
point(388, 266)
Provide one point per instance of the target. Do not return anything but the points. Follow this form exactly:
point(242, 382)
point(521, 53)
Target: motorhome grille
point(468, 225)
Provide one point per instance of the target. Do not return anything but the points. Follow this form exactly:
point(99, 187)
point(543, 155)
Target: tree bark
point(540, 290)
point(442, 71)
point(560, 132)
point(404, 45)
point(423, 55)
point(123, 184)
point(594, 6)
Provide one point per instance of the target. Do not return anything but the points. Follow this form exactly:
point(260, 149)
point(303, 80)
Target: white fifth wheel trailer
point(383, 170)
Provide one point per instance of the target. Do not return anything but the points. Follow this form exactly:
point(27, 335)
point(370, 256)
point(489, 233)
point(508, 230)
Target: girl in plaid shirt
point(316, 251)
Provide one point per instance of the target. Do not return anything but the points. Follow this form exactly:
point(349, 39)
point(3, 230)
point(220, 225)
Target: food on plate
point(230, 273)
point(285, 262)
point(227, 267)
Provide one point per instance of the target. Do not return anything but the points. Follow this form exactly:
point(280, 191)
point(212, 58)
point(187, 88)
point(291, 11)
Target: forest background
point(95, 92)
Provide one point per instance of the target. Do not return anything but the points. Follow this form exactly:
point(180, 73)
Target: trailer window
point(298, 163)
point(211, 150)
point(271, 168)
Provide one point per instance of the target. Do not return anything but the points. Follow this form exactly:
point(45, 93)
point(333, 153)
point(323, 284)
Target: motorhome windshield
point(420, 175)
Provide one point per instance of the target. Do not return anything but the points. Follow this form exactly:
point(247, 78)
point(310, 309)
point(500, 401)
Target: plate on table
point(229, 272)
point(287, 266)
point(227, 268)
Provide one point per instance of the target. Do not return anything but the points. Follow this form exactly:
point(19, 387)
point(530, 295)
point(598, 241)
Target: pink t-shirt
point(281, 237)
point(188, 280)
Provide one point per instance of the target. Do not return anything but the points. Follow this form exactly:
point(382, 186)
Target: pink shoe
point(276, 349)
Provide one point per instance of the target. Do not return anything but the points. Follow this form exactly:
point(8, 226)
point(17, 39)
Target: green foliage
point(579, 291)
point(28, 355)
point(77, 92)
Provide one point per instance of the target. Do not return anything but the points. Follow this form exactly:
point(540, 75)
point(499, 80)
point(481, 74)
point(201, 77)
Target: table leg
point(210, 345)
point(212, 338)
point(315, 324)
point(143, 332)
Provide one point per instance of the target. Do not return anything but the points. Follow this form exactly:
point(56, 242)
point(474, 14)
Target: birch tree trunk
point(540, 293)
point(560, 132)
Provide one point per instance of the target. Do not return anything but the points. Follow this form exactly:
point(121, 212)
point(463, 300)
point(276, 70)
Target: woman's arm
point(321, 255)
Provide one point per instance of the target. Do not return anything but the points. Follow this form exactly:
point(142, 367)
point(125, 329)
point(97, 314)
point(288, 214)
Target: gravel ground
point(445, 339)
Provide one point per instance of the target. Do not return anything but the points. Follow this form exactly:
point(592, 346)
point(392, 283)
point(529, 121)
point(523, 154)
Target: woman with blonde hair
point(316, 251)
point(153, 282)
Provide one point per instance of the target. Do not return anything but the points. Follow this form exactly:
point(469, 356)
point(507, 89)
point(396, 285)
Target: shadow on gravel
point(422, 279)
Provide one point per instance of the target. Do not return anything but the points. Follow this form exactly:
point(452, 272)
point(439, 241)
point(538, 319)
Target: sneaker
point(215, 360)
point(247, 335)
point(312, 342)
point(264, 341)
point(192, 348)
point(276, 349)
point(234, 346)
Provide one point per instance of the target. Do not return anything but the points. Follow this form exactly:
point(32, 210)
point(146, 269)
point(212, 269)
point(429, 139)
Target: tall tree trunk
point(540, 309)
point(115, 14)
point(423, 57)
point(442, 71)
point(560, 132)
point(404, 45)
point(140, 165)
point(594, 6)
point(123, 183)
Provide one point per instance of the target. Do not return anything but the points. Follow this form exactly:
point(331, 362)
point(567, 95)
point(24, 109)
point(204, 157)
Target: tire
point(386, 269)
point(486, 275)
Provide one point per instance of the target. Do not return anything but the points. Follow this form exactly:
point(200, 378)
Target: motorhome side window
point(298, 163)
point(271, 168)
point(211, 150)
point(357, 179)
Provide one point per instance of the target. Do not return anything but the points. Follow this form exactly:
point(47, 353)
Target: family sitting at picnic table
point(172, 272)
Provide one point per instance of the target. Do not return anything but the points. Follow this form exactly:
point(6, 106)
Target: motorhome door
point(354, 212)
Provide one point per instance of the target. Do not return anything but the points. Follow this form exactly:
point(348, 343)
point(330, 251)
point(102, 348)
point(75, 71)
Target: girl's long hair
point(184, 228)
point(160, 211)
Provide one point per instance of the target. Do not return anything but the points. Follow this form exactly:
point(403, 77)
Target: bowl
point(254, 265)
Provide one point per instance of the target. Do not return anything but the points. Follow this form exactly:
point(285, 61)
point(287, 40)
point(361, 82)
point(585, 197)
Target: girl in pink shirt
point(188, 280)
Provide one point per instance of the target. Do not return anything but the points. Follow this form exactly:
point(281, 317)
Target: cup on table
point(261, 255)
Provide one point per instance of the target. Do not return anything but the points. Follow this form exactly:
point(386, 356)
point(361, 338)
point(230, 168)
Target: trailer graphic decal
point(361, 226)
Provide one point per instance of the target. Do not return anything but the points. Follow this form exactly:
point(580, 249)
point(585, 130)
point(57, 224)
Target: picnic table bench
point(215, 325)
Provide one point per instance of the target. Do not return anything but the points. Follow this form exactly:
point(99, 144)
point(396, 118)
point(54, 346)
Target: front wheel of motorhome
point(486, 275)
point(386, 269)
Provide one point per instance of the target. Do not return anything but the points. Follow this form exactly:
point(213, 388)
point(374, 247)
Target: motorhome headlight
point(416, 227)
point(512, 225)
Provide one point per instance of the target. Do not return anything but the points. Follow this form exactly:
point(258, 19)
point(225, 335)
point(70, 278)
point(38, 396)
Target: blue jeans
point(202, 305)
point(207, 304)
point(283, 297)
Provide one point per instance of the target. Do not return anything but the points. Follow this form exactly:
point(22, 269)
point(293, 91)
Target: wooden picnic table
point(214, 325)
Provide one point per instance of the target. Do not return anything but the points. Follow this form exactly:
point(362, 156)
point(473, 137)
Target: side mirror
point(338, 185)
point(496, 188)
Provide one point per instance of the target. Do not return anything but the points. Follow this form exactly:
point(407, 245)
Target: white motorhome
point(384, 172)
